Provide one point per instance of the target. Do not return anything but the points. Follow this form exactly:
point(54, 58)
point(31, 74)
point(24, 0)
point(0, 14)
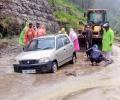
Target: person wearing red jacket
point(30, 34)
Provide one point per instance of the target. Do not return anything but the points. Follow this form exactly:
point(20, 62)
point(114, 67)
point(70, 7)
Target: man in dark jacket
point(88, 36)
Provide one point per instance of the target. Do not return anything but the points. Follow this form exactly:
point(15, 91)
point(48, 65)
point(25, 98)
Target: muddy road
point(80, 81)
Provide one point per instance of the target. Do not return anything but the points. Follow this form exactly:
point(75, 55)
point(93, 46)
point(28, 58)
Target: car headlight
point(44, 60)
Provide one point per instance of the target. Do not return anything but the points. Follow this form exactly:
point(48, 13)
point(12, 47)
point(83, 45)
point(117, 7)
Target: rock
point(73, 73)
point(32, 10)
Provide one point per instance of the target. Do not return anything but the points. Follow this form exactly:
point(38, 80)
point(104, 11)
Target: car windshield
point(41, 44)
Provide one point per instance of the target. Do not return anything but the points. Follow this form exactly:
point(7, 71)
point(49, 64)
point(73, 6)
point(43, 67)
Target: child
point(95, 55)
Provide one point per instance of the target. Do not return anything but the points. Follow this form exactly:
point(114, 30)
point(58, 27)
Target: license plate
point(29, 71)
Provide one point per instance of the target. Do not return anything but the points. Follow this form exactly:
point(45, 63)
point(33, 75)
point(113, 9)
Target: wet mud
point(80, 81)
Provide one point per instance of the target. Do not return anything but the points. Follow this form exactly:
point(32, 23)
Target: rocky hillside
point(33, 10)
point(53, 13)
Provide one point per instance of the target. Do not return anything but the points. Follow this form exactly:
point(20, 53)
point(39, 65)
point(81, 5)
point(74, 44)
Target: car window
point(46, 43)
point(41, 44)
point(66, 40)
point(59, 43)
point(31, 46)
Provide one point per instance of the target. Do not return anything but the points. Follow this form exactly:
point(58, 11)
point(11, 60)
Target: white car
point(45, 53)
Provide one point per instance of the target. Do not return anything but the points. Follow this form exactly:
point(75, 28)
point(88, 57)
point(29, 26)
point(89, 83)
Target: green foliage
point(68, 13)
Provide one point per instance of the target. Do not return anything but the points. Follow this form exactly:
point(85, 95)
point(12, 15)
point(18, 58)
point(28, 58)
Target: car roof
point(50, 35)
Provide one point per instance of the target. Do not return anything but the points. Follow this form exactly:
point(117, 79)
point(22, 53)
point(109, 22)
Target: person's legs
point(108, 57)
point(90, 43)
point(99, 60)
point(76, 45)
point(105, 55)
point(87, 45)
point(92, 61)
point(75, 55)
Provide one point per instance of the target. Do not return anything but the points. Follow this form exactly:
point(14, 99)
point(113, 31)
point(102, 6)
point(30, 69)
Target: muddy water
point(105, 84)
point(72, 82)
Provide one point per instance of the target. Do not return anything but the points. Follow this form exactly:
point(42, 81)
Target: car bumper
point(37, 67)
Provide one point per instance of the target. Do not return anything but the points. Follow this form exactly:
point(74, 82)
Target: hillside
point(18, 11)
point(53, 13)
point(67, 13)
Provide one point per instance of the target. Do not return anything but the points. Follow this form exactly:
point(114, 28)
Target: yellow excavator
point(95, 17)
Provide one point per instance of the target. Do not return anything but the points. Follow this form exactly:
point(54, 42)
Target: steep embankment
point(51, 12)
point(67, 13)
point(34, 10)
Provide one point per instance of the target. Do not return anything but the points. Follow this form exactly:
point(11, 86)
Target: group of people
point(34, 31)
point(31, 31)
point(94, 53)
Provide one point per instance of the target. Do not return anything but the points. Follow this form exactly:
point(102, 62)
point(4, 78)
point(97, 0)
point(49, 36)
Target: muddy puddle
point(80, 81)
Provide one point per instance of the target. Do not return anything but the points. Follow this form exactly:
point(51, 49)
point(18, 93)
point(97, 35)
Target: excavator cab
point(96, 18)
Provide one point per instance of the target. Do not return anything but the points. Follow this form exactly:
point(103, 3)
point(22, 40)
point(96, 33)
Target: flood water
point(80, 81)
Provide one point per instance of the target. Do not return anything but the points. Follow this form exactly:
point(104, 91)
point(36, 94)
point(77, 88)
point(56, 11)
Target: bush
point(9, 25)
point(67, 13)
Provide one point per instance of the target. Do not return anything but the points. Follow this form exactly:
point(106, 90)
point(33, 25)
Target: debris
point(73, 73)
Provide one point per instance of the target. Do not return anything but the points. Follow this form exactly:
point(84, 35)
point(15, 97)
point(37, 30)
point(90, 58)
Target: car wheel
point(73, 61)
point(54, 67)
point(16, 69)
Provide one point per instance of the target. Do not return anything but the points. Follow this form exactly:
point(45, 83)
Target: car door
point(60, 51)
point(68, 46)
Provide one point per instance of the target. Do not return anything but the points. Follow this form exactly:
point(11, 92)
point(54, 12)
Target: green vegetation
point(67, 13)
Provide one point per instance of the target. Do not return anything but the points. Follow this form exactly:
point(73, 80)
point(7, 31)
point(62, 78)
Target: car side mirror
point(24, 48)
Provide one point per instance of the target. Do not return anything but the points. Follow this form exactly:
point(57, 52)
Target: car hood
point(35, 54)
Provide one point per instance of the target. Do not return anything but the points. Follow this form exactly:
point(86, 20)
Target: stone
point(34, 10)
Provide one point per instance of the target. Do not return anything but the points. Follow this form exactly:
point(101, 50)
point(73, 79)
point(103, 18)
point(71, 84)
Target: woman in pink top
point(73, 36)
point(41, 31)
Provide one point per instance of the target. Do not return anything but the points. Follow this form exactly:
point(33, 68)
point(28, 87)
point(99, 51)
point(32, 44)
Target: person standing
point(88, 36)
point(37, 25)
point(62, 31)
point(37, 28)
point(22, 34)
point(40, 31)
point(74, 38)
point(107, 42)
point(30, 34)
